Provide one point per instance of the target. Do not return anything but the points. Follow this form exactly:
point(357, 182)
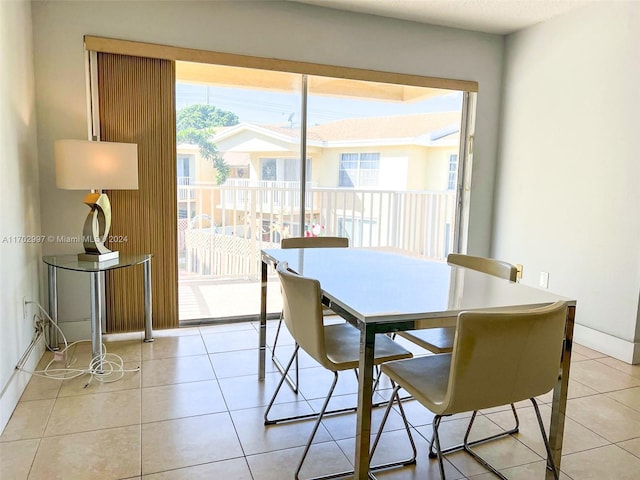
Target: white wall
point(567, 198)
point(270, 29)
point(19, 199)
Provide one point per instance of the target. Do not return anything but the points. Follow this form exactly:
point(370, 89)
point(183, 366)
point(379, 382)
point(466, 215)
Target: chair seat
point(425, 378)
point(436, 340)
point(342, 344)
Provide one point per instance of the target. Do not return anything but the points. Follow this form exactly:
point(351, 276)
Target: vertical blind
point(136, 105)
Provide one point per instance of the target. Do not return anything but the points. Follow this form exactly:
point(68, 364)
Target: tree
point(196, 124)
point(201, 116)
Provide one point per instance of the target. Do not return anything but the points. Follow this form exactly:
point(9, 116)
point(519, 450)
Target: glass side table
point(70, 262)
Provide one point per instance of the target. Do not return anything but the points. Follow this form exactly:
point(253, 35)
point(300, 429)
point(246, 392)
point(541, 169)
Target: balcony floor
point(208, 298)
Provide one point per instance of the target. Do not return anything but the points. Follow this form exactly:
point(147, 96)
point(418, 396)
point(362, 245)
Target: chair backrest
point(302, 312)
point(314, 242)
point(504, 357)
point(497, 268)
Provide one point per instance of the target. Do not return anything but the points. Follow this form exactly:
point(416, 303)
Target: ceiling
point(491, 16)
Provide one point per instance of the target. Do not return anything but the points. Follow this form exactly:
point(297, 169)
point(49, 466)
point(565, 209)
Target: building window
point(282, 169)
point(268, 168)
point(359, 169)
point(453, 172)
point(186, 171)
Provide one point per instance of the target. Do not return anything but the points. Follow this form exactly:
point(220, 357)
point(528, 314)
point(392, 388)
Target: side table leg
point(96, 320)
point(148, 325)
point(53, 307)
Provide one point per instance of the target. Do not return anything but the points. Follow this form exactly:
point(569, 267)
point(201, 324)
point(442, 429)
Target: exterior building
point(409, 152)
point(378, 180)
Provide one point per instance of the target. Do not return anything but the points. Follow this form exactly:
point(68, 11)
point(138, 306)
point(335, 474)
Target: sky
point(265, 107)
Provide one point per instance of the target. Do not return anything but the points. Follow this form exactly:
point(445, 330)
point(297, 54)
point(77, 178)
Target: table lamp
point(96, 166)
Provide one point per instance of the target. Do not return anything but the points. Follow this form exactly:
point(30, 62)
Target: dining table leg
point(262, 350)
point(365, 386)
point(559, 405)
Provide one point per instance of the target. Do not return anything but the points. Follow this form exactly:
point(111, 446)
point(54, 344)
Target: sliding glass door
point(238, 131)
point(381, 166)
point(382, 157)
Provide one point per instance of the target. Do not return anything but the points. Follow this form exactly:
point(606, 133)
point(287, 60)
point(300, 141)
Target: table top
point(71, 262)
point(380, 286)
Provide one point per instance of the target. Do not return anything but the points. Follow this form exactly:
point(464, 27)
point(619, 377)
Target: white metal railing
point(185, 193)
point(249, 216)
point(268, 192)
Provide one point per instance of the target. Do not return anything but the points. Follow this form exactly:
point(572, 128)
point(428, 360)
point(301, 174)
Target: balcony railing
point(269, 193)
point(185, 193)
point(234, 221)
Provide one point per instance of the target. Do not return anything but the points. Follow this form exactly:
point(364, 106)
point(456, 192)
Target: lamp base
point(97, 257)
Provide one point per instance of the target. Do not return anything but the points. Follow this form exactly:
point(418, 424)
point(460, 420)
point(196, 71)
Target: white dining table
point(382, 291)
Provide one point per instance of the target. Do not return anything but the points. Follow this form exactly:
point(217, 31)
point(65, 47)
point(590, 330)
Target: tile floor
point(194, 411)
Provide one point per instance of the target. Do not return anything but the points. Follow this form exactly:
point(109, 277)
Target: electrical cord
point(106, 367)
point(49, 319)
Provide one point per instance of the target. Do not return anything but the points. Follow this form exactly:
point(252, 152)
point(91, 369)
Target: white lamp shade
point(86, 165)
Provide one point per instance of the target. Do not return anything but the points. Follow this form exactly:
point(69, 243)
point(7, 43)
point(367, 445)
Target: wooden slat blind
point(137, 105)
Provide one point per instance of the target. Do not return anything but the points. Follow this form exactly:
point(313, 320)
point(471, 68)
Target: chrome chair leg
point(275, 339)
point(268, 421)
point(378, 376)
point(292, 383)
point(376, 369)
point(551, 465)
point(439, 453)
point(436, 439)
point(273, 421)
point(314, 431)
point(285, 372)
point(478, 458)
point(461, 446)
point(467, 445)
point(350, 472)
point(394, 395)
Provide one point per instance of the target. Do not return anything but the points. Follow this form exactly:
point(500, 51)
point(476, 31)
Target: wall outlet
point(519, 274)
point(544, 279)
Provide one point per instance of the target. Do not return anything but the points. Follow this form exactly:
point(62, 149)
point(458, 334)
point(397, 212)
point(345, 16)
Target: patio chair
point(498, 358)
point(440, 340)
point(303, 242)
point(336, 347)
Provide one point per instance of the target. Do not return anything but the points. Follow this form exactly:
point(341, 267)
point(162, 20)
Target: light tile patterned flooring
point(195, 412)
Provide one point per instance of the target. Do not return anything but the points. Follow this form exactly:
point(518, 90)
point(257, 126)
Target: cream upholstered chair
point(440, 340)
point(336, 347)
point(498, 358)
point(314, 242)
point(303, 242)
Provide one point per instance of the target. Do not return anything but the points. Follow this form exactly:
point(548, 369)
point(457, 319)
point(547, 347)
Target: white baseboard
point(75, 331)
point(12, 392)
point(615, 347)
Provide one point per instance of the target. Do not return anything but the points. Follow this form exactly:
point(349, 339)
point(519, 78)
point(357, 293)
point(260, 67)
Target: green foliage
point(201, 116)
point(195, 124)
